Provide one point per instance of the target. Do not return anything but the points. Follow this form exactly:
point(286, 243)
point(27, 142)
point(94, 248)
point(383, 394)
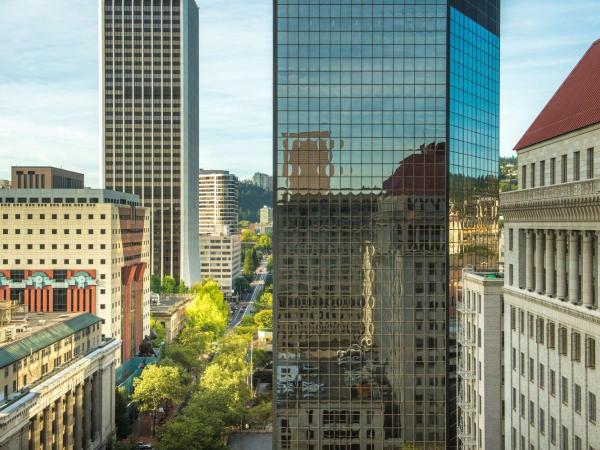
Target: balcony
point(554, 192)
point(466, 341)
point(466, 374)
point(466, 406)
point(463, 308)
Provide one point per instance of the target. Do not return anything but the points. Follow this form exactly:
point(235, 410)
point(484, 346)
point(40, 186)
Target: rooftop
point(39, 330)
point(64, 196)
point(167, 303)
point(575, 105)
point(486, 276)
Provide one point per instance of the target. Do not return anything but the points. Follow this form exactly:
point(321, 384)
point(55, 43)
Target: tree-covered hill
point(251, 199)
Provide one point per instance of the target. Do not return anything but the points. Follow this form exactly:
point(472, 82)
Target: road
point(259, 285)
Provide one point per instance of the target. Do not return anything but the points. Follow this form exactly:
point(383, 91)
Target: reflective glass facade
point(386, 156)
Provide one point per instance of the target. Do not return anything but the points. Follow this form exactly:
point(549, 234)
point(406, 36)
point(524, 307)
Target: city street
point(258, 285)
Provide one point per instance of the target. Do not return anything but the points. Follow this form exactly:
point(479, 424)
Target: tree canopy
point(156, 386)
point(264, 319)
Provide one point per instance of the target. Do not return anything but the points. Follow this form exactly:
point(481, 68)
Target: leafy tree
point(186, 356)
point(265, 301)
point(264, 242)
point(264, 319)
point(248, 236)
point(270, 263)
point(208, 311)
point(122, 420)
point(241, 285)
point(244, 224)
point(249, 264)
point(169, 285)
point(181, 288)
point(155, 285)
point(159, 330)
point(156, 387)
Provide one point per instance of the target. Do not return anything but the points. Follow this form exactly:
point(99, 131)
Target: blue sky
point(49, 103)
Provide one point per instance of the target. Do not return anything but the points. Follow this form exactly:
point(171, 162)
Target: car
point(143, 446)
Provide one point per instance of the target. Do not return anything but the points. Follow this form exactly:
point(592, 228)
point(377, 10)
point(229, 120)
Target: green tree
point(156, 387)
point(122, 419)
point(249, 265)
point(155, 285)
point(208, 311)
point(264, 319)
point(241, 285)
point(264, 242)
point(159, 330)
point(270, 263)
point(181, 288)
point(169, 285)
point(248, 236)
point(251, 199)
point(265, 301)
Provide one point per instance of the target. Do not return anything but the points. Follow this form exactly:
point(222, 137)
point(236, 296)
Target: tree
point(264, 242)
point(270, 263)
point(251, 199)
point(264, 319)
point(155, 285)
point(265, 301)
point(248, 236)
point(169, 285)
point(249, 265)
point(122, 421)
point(208, 311)
point(241, 285)
point(159, 330)
point(156, 387)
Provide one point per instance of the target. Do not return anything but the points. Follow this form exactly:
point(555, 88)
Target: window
point(531, 413)
point(552, 381)
point(577, 398)
point(590, 352)
point(524, 177)
point(576, 165)
point(563, 341)
point(510, 275)
point(510, 239)
point(514, 399)
point(540, 330)
point(542, 420)
point(592, 407)
point(553, 171)
point(522, 322)
point(541, 376)
point(531, 370)
point(577, 443)
point(522, 405)
point(542, 173)
point(532, 175)
point(551, 335)
point(531, 331)
point(513, 318)
point(564, 438)
point(563, 169)
point(564, 390)
point(575, 346)
point(590, 163)
point(553, 430)
point(522, 363)
point(514, 359)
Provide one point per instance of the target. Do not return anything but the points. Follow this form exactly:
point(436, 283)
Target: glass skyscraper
point(386, 162)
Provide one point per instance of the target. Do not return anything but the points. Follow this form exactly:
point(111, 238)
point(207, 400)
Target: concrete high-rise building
point(218, 201)
point(480, 389)
point(266, 215)
point(149, 120)
point(76, 250)
point(220, 244)
point(40, 177)
point(386, 151)
point(58, 384)
point(263, 180)
point(552, 272)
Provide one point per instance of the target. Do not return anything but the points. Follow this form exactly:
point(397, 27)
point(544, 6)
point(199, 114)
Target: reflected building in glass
point(386, 155)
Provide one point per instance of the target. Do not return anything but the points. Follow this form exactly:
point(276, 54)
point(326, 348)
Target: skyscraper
point(386, 162)
point(149, 85)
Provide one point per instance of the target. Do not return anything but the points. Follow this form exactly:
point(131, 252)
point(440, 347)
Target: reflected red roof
point(420, 174)
point(575, 105)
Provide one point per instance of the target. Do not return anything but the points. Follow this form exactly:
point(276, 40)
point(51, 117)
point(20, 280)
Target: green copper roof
point(38, 340)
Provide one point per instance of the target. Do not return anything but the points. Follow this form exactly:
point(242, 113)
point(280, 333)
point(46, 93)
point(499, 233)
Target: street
point(259, 284)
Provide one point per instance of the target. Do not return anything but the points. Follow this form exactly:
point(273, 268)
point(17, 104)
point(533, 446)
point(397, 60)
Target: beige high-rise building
point(149, 120)
point(57, 389)
point(76, 250)
point(551, 290)
point(218, 199)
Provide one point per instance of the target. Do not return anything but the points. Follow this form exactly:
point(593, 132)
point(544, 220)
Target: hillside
point(251, 199)
point(508, 174)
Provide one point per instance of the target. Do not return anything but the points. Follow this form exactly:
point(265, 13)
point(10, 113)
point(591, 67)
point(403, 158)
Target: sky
point(49, 100)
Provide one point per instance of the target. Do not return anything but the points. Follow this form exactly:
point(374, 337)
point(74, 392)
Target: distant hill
point(508, 174)
point(251, 199)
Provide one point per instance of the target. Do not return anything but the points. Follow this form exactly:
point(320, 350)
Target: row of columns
point(553, 257)
point(76, 421)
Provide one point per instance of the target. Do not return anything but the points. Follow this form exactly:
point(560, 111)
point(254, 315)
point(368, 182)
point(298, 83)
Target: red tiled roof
point(575, 105)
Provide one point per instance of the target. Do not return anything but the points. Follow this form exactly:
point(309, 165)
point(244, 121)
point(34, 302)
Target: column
point(48, 428)
point(574, 267)
point(69, 419)
point(539, 261)
point(87, 413)
point(561, 265)
point(587, 284)
point(96, 405)
point(529, 251)
point(59, 428)
point(34, 440)
point(550, 285)
point(78, 425)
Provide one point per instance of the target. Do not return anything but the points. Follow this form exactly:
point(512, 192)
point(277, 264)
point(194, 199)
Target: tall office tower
point(386, 162)
point(552, 287)
point(220, 243)
point(263, 180)
point(218, 199)
point(149, 85)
